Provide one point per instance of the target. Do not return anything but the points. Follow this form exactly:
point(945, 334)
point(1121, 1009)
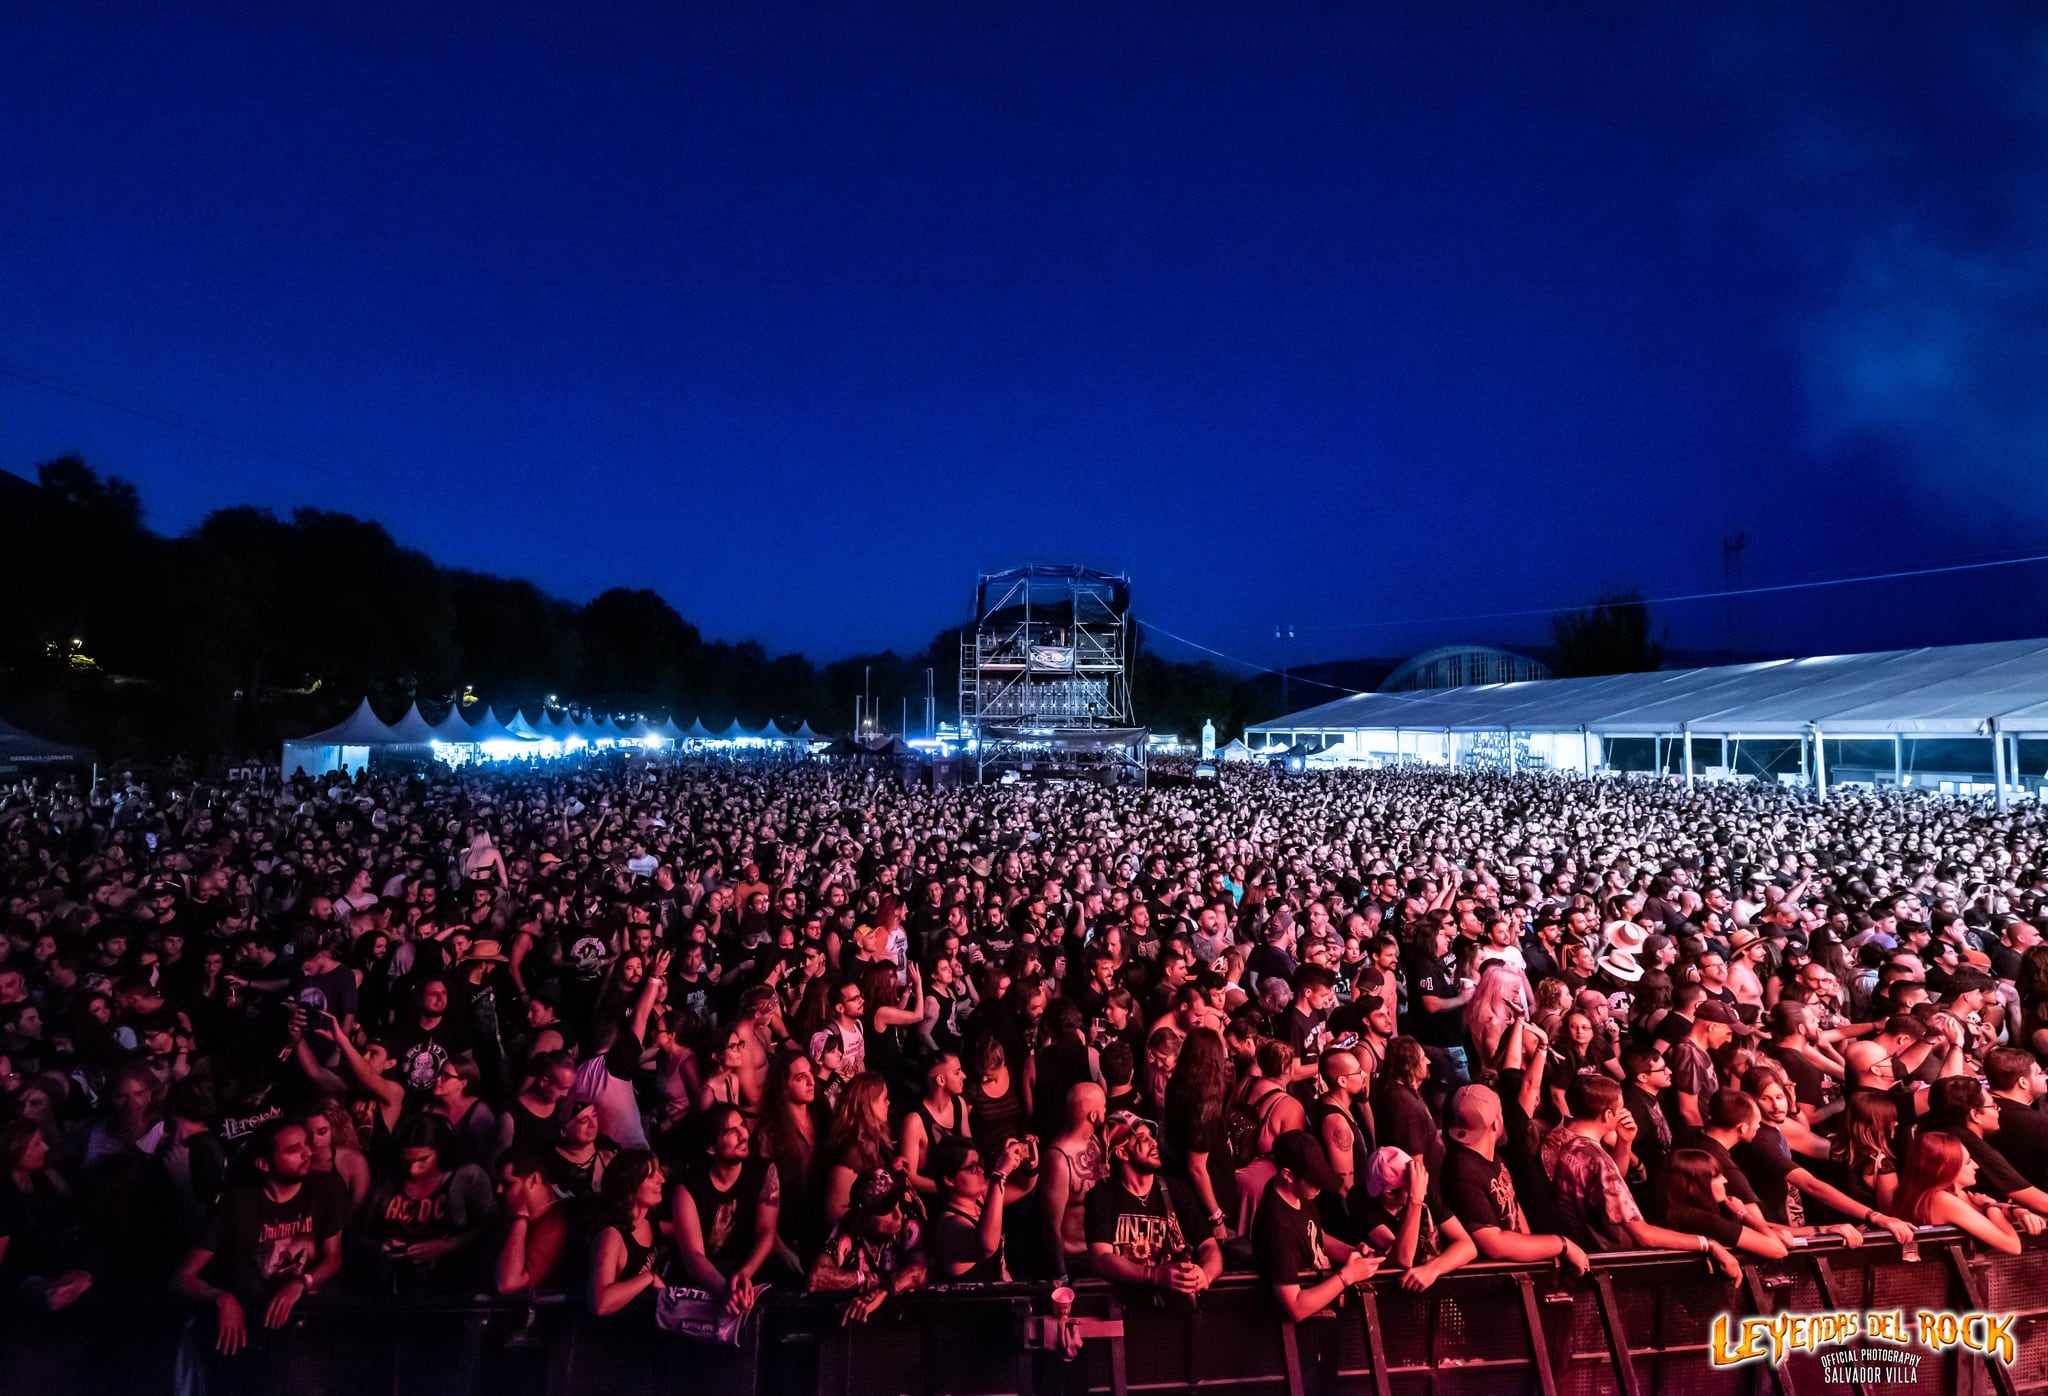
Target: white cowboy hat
point(1620, 964)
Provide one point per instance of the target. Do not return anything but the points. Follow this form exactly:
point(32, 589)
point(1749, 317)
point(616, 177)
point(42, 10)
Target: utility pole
point(1732, 545)
point(1284, 631)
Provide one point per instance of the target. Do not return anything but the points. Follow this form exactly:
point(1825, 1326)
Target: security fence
point(1639, 1324)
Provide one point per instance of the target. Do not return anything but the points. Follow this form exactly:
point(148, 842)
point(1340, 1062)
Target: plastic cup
point(1062, 1302)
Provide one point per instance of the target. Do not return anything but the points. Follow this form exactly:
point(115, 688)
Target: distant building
point(1460, 666)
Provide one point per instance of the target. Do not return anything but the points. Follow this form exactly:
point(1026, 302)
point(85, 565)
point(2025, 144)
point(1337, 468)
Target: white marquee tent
point(1995, 692)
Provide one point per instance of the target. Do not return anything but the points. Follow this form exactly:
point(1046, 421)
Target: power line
point(1647, 601)
point(1704, 595)
point(1159, 629)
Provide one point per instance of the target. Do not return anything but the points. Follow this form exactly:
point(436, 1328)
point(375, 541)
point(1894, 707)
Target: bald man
point(1342, 1123)
point(1073, 1165)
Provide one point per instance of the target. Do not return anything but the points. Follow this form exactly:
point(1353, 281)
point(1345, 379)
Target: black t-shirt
point(1479, 1191)
point(1146, 1230)
point(1693, 1074)
point(1997, 1179)
point(726, 1217)
point(1715, 1226)
point(334, 991)
point(1287, 1242)
point(2023, 1139)
point(1438, 978)
point(1405, 1122)
point(422, 1052)
point(258, 1244)
point(1307, 1033)
point(1739, 1184)
point(955, 1241)
point(1369, 1214)
point(1809, 1083)
point(1768, 1162)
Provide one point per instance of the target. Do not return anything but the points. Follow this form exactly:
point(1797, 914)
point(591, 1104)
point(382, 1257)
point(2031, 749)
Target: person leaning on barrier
point(1959, 1105)
point(727, 1207)
point(875, 1250)
point(1397, 1221)
point(1480, 1193)
point(966, 1237)
point(1289, 1248)
point(535, 1252)
point(269, 1244)
point(1585, 1158)
point(1144, 1228)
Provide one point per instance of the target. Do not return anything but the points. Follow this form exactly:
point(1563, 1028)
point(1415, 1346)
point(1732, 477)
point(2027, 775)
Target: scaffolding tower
point(1045, 680)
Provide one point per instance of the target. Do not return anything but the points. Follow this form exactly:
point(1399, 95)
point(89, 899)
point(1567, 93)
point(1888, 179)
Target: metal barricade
point(1638, 1325)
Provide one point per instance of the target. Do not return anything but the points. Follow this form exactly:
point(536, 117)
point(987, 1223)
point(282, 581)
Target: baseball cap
point(1387, 1168)
point(1715, 1011)
point(1298, 1152)
point(1119, 1126)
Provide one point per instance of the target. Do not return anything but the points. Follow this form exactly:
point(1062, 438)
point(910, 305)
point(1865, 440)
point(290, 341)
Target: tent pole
point(1451, 748)
point(1898, 761)
point(1685, 735)
point(1820, 765)
point(1724, 753)
point(1586, 738)
point(1998, 764)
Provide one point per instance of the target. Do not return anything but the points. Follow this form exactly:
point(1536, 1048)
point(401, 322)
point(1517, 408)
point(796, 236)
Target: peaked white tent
point(342, 747)
point(412, 729)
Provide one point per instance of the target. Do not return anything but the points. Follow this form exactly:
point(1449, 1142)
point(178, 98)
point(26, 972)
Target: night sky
point(803, 314)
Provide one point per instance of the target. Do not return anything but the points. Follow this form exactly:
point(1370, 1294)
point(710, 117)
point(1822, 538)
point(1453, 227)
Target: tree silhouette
point(1612, 636)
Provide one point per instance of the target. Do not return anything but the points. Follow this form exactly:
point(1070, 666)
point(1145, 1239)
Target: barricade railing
point(1638, 1325)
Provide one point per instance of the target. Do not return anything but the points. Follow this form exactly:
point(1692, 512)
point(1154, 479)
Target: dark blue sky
point(803, 314)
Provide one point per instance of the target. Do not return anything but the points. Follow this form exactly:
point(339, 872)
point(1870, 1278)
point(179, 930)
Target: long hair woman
point(1194, 1133)
point(1939, 1173)
point(1696, 1200)
point(625, 1256)
point(1499, 1000)
point(857, 1142)
point(1863, 1149)
point(788, 1137)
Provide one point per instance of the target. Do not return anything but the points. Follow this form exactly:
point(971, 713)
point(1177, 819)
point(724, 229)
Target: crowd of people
point(670, 1037)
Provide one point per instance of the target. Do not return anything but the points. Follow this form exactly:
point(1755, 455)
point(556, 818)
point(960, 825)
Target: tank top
point(639, 1259)
point(995, 1121)
point(529, 1128)
point(933, 1130)
point(946, 1029)
point(726, 1216)
point(1361, 1143)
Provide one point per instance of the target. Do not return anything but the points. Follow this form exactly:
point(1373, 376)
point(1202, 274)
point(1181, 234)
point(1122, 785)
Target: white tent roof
point(455, 729)
point(412, 729)
point(360, 728)
point(1950, 690)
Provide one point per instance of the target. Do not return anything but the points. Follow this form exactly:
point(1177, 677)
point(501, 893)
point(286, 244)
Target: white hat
point(1625, 936)
point(1620, 964)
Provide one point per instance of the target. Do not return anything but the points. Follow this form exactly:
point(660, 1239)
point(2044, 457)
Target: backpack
point(1243, 1123)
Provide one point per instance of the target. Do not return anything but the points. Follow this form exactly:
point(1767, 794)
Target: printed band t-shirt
point(1145, 1230)
point(258, 1243)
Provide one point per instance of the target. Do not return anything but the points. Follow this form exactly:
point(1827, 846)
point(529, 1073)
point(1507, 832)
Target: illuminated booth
point(343, 747)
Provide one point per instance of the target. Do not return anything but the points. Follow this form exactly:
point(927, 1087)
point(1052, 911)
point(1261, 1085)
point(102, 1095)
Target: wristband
point(1703, 1245)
